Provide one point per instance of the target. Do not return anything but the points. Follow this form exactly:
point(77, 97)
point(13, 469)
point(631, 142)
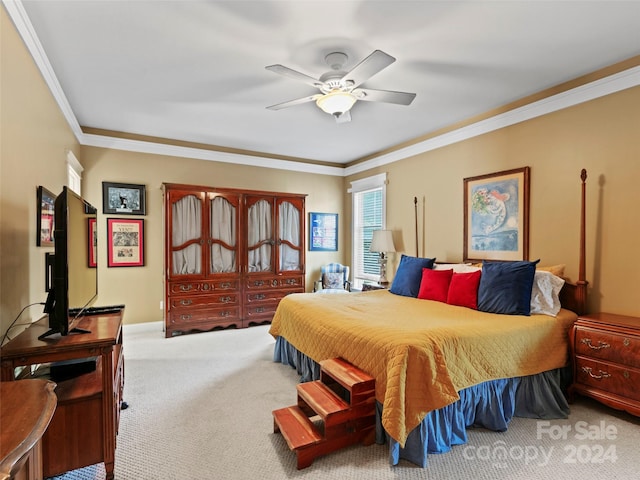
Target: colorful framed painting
point(45, 217)
point(123, 198)
point(125, 242)
point(496, 216)
point(323, 232)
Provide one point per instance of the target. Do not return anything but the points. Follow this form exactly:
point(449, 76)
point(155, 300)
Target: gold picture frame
point(496, 216)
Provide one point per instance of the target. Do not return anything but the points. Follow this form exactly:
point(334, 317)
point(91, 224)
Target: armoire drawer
point(203, 301)
point(204, 286)
point(288, 281)
point(228, 314)
point(603, 345)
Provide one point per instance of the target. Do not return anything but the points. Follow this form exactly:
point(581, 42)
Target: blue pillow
point(505, 287)
point(409, 275)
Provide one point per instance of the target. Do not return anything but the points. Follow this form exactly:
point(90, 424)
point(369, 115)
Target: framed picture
point(93, 242)
point(125, 242)
point(123, 198)
point(45, 218)
point(323, 232)
point(496, 216)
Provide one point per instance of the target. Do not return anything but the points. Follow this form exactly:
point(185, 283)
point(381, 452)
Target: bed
point(441, 367)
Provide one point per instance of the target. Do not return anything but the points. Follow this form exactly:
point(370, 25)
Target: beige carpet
point(200, 408)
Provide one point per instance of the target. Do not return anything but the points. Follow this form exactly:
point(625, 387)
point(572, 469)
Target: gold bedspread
point(420, 352)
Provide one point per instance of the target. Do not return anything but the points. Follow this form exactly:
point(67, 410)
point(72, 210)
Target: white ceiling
point(194, 70)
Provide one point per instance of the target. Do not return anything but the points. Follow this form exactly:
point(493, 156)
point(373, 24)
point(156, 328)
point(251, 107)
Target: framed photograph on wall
point(125, 242)
point(45, 217)
point(93, 242)
point(496, 216)
point(123, 198)
point(323, 232)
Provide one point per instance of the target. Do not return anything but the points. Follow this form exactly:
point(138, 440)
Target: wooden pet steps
point(332, 413)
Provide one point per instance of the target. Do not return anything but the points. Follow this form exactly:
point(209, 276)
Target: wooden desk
point(84, 427)
point(26, 408)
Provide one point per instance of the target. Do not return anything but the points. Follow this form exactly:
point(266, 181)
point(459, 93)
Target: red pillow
point(435, 284)
point(463, 289)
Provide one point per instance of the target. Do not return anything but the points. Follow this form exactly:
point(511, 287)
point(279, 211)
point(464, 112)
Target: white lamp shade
point(336, 102)
point(382, 241)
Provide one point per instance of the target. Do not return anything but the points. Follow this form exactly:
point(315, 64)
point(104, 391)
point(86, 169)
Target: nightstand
point(605, 349)
point(374, 286)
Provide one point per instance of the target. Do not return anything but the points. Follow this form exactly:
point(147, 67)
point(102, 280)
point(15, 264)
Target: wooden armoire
point(230, 255)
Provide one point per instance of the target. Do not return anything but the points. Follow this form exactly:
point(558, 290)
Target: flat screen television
point(74, 272)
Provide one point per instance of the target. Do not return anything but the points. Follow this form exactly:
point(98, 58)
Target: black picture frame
point(45, 220)
point(123, 198)
point(323, 232)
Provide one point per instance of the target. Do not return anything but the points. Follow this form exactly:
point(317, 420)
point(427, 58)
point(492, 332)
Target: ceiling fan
point(339, 90)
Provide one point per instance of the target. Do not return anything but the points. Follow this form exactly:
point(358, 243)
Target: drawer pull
point(206, 287)
point(274, 283)
point(258, 283)
point(626, 342)
point(291, 281)
point(186, 302)
point(600, 346)
point(185, 317)
point(259, 309)
point(592, 375)
point(225, 285)
point(260, 296)
point(225, 299)
point(225, 313)
point(186, 288)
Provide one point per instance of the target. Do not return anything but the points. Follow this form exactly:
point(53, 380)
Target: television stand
point(72, 331)
point(88, 412)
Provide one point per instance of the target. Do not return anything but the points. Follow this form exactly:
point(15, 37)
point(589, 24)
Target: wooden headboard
point(573, 296)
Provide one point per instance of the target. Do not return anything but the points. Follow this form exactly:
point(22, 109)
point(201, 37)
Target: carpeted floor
point(200, 409)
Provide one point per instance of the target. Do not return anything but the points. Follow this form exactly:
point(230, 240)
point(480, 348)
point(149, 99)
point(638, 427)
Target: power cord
point(13, 324)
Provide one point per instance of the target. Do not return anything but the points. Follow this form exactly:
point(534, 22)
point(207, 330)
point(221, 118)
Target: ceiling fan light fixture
point(336, 102)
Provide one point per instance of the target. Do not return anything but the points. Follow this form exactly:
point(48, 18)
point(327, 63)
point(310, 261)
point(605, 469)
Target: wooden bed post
point(582, 272)
point(573, 296)
point(582, 283)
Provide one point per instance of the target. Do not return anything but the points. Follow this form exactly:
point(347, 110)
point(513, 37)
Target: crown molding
point(584, 93)
point(619, 81)
point(139, 146)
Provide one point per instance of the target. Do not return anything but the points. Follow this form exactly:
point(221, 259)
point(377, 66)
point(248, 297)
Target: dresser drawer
point(616, 379)
point(617, 348)
point(203, 301)
point(179, 288)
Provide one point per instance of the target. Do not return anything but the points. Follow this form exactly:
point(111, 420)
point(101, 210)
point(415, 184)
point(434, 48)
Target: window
point(74, 173)
point(368, 215)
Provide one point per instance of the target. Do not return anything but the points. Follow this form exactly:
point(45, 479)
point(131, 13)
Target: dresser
point(230, 256)
point(606, 360)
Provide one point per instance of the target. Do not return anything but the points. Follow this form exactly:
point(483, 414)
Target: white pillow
point(545, 293)
point(456, 267)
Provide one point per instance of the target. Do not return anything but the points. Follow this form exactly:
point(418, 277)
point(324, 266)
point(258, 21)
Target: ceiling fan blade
point(288, 72)
point(386, 96)
point(343, 117)
point(292, 103)
point(367, 68)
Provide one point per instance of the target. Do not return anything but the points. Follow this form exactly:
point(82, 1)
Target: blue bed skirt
point(490, 405)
